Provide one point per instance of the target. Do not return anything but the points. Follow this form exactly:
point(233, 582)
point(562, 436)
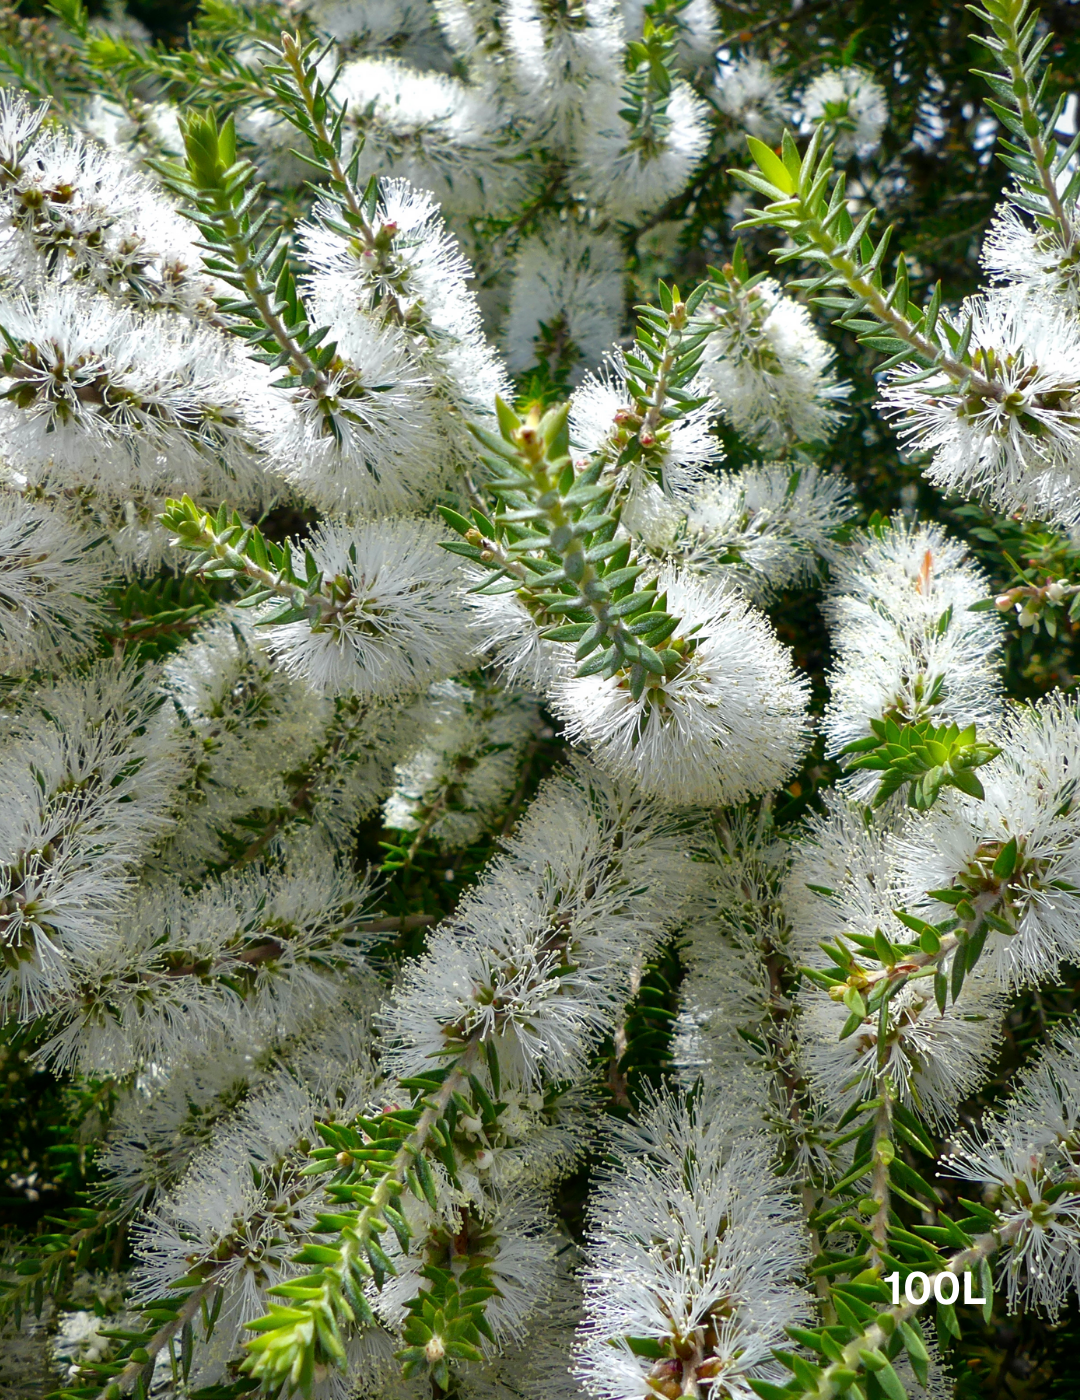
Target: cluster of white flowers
point(1023, 1158)
point(695, 1250)
point(1011, 431)
point(728, 724)
point(907, 645)
point(337, 1103)
point(463, 776)
point(769, 367)
point(769, 526)
point(851, 103)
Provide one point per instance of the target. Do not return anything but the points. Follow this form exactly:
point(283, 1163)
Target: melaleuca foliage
point(407, 882)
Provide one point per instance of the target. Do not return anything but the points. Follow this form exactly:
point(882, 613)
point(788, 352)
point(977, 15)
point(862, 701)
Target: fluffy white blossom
point(507, 633)
point(734, 921)
point(907, 645)
point(693, 1246)
point(1030, 800)
point(170, 1113)
point(404, 27)
point(840, 875)
point(394, 621)
point(78, 211)
point(116, 399)
point(934, 1059)
point(431, 129)
point(629, 178)
point(87, 772)
point(1011, 435)
point(768, 526)
point(537, 958)
point(419, 282)
point(51, 579)
point(244, 1204)
point(1024, 1157)
point(751, 95)
point(566, 299)
point(370, 443)
point(262, 946)
point(468, 765)
point(602, 417)
point(557, 54)
point(727, 724)
point(142, 129)
point(770, 367)
point(1017, 250)
point(538, 1365)
point(852, 104)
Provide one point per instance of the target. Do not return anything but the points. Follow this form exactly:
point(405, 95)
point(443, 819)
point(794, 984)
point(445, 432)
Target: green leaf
point(1005, 864)
point(771, 166)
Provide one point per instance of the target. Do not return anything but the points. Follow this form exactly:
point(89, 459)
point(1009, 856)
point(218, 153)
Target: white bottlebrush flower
point(555, 55)
point(463, 775)
point(371, 443)
point(603, 419)
point(907, 644)
point(19, 124)
point(734, 921)
point(693, 1246)
point(403, 27)
point(539, 1365)
point(514, 1238)
point(852, 104)
point(770, 367)
point(729, 723)
point(1030, 799)
point(767, 526)
point(78, 211)
point(257, 737)
point(493, 974)
point(142, 129)
point(51, 579)
point(107, 397)
point(535, 1141)
point(566, 298)
point(250, 727)
point(842, 881)
point(627, 177)
point(1025, 1157)
point(538, 957)
point(243, 1207)
point(168, 1114)
point(1017, 441)
point(934, 1059)
point(1017, 250)
point(392, 619)
point(840, 876)
point(749, 93)
point(508, 634)
point(419, 281)
point(611, 859)
point(431, 129)
point(88, 767)
point(261, 948)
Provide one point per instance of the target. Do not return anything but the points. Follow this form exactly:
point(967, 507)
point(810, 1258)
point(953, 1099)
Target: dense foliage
point(539, 587)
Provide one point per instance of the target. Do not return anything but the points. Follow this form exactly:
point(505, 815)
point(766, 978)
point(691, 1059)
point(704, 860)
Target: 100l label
point(917, 1288)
